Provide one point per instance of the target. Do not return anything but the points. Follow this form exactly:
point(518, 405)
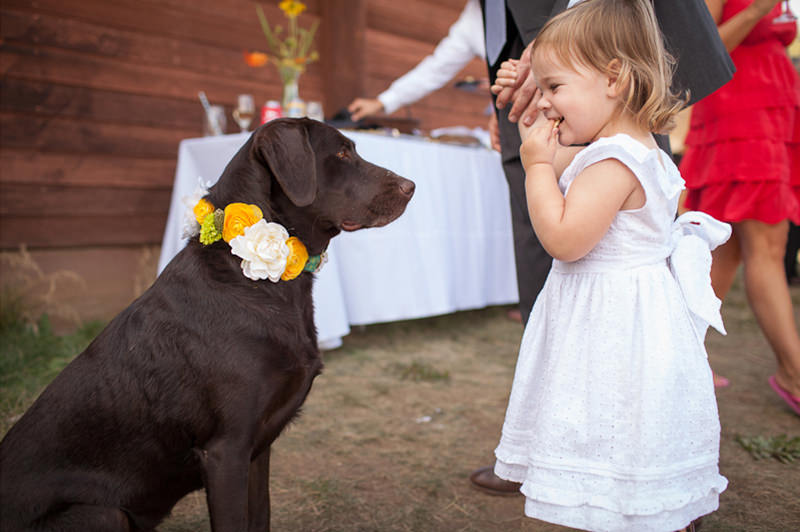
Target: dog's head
point(308, 177)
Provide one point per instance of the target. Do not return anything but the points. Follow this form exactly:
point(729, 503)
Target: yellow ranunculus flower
point(237, 217)
point(296, 261)
point(292, 8)
point(202, 209)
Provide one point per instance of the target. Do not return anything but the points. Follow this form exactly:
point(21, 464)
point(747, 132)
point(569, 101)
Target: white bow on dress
point(694, 235)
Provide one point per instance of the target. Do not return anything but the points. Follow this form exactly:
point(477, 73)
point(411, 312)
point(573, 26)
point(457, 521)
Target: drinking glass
point(214, 121)
point(245, 111)
point(314, 111)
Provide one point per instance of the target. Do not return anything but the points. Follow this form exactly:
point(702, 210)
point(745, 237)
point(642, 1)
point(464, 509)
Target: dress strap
point(650, 166)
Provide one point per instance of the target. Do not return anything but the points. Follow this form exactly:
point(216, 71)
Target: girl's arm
point(734, 30)
point(569, 227)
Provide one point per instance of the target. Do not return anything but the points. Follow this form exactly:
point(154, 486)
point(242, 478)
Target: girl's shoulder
point(649, 165)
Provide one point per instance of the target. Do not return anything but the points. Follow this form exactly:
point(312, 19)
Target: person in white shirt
point(464, 41)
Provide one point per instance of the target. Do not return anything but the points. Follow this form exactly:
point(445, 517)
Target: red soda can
point(271, 110)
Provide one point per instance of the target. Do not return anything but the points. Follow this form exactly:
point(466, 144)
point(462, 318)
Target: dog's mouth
point(347, 225)
point(385, 206)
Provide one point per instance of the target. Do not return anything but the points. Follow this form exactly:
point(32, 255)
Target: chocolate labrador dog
point(189, 386)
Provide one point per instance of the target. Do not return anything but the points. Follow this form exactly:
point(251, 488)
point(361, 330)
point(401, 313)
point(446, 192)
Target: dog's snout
point(407, 187)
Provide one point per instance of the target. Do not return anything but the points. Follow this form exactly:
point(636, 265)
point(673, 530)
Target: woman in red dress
point(742, 166)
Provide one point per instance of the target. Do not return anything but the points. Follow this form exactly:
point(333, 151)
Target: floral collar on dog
point(266, 249)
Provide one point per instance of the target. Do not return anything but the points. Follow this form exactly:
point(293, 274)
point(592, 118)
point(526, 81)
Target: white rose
point(263, 250)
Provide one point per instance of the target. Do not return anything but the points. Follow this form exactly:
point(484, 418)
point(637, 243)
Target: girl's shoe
point(792, 400)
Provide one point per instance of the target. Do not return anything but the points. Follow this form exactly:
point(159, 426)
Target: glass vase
point(289, 77)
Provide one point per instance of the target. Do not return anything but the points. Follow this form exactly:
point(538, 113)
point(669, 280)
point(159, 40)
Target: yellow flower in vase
point(290, 54)
point(292, 8)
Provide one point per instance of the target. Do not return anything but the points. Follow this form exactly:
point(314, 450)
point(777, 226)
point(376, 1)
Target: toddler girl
point(612, 421)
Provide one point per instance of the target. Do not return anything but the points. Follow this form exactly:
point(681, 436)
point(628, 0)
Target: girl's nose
point(542, 103)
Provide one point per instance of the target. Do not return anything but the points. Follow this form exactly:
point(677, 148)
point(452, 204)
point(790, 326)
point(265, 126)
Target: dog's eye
point(343, 154)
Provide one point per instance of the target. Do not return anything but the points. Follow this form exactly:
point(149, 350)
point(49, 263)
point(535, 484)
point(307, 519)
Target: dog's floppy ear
point(287, 151)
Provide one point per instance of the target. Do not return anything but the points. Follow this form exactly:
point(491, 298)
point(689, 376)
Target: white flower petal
point(190, 227)
point(254, 270)
point(263, 250)
point(241, 248)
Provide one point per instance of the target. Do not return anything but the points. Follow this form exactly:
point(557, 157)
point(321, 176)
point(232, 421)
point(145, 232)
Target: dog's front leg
point(258, 507)
point(226, 467)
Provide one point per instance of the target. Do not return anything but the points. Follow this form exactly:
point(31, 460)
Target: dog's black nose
point(407, 187)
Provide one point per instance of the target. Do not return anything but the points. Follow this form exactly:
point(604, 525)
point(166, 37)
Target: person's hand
point(539, 142)
point(494, 132)
point(763, 7)
point(518, 87)
point(361, 107)
point(506, 76)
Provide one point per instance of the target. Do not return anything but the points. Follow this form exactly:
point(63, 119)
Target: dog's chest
point(287, 392)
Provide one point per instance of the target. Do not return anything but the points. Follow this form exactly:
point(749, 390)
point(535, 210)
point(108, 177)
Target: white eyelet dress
point(612, 421)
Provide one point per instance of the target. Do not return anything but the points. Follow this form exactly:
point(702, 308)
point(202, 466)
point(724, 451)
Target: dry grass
point(27, 292)
point(404, 411)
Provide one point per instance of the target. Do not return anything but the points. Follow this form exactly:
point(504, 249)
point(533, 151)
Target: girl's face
point(585, 100)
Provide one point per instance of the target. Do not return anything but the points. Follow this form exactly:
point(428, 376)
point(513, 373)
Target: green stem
point(293, 33)
point(307, 38)
point(271, 40)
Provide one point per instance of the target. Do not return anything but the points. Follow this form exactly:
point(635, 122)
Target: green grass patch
point(30, 357)
point(782, 448)
point(420, 371)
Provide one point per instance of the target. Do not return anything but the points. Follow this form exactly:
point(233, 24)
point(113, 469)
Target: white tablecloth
point(451, 250)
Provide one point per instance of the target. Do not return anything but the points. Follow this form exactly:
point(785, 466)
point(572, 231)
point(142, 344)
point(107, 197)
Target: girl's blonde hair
point(595, 33)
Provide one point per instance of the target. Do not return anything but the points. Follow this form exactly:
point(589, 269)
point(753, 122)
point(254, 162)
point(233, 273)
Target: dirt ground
point(404, 411)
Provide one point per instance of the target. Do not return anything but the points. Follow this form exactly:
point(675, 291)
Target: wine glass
point(245, 111)
point(786, 14)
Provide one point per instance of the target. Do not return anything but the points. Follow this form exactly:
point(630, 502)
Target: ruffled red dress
point(742, 158)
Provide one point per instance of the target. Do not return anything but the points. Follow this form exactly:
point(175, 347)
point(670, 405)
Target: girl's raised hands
point(539, 142)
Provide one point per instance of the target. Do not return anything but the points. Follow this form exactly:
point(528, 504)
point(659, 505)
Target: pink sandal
point(791, 400)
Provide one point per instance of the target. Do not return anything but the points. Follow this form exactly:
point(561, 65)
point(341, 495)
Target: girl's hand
point(506, 76)
point(539, 142)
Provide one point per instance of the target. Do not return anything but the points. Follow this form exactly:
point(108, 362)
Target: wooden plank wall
point(95, 96)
